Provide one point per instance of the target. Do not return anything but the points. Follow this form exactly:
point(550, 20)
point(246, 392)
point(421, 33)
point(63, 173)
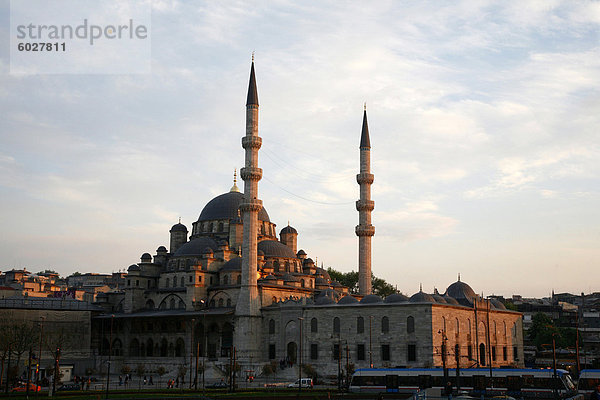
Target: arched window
point(228, 302)
point(314, 325)
point(225, 280)
point(457, 326)
point(302, 284)
point(482, 354)
point(271, 326)
point(220, 303)
point(276, 266)
point(164, 348)
point(239, 279)
point(117, 348)
point(212, 303)
point(181, 305)
point(182, 284)
point(495, 331)
point(134, 348)
point(287, 267)
point(385, 325)
point(149, 348)
point(504, 330)
point(179, 348)
point(172, 303)
point(220, 227)
point(360, 325)
point(410, 324)
point(174, 281)
point(210, 227)
point(168, 283)
point(150, 305)
point(336, 325)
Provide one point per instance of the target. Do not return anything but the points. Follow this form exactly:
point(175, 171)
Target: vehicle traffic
point(589, 379)
point(23, 388)
point(518, 383)
point(306, 383)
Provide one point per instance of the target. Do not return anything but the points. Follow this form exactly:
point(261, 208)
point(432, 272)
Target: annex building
point(235, 282)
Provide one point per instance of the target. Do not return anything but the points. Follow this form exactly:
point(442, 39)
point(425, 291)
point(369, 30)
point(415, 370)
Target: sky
point(484, 119)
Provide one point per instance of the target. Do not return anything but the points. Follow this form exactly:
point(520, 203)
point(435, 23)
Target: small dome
point(336, 284)
point(301, 252)
point(439, 298)
point(348, 300)
point(178, 228)
point(270, 278)
point(235, 264)
point(290, 278)
point(307, 261)
point(146, 257)
point(288, 229)
point(421, 297)
point(462, 293)
point(324, 300)
point(451, 300)
point(396, 298)
point(497, 304)
point(133, 267)
point(273, 248)
point(195, 247)
point(161, 249)
point(371, 299)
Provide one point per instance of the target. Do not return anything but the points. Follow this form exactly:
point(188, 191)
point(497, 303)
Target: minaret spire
point(247, 308)
point(364, 206)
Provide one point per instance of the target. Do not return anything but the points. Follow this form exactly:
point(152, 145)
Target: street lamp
point(205, 345)
point(112, 318)
point(300, 364)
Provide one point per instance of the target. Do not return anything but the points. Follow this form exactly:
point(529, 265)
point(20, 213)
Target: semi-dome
point(196, 247)
point(235, 264)
point(371, 299)
point(268, 277)
point(439, 298)
point(288, 229)
point(324, 300)
point(462, 293)
point(273, 248)
point(396, 298)
point(323, 273)
point(290, 278)
point(348, 300)
point(321, 282)
point(421, 297)
point(226, 206)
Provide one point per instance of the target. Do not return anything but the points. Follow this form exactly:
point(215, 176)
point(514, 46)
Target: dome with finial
point(234, 188)
point(288, 229)
point(226, 207)
point(179, 227)
point(462, 292)
point(421, 297)
point(395, 298)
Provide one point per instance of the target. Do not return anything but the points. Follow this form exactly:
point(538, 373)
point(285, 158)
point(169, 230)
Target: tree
point(140, 370)
point(543, 330)
point(350, 279)
point(181, 371)
point(160, 371)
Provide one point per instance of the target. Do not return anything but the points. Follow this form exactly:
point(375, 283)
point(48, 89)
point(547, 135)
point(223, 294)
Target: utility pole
point(192, 351)
point(300, 358)
point(112, 318)
point(39, 359)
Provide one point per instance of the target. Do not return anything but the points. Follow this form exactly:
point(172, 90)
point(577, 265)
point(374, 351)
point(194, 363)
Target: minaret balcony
point(252, 205)
point(365, 230)
point(365, 205)
point(365, 177)
point(251, 142)
point(251, 173)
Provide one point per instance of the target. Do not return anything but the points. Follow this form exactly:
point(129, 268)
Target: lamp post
point(39, 359)
point(112, 318)
point(205, 345)
point(300, 357)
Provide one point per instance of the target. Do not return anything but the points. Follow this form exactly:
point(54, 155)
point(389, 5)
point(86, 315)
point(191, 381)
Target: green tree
point(350, 279)
point(160, 371)
point(543, 330)
point(140, 370)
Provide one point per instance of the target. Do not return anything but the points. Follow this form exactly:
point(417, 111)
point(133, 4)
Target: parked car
point(69, 386)
point(23, 388)
point(218, 385)
point(306, 383)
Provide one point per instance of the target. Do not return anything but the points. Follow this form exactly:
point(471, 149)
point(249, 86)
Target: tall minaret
point(364, 229)
point(247, 309)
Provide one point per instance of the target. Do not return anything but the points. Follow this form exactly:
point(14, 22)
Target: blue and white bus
point(589, 379)
point(518, 383)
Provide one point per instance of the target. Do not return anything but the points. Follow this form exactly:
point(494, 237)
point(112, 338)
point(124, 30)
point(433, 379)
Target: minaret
point(364, 206)
point(247, 310)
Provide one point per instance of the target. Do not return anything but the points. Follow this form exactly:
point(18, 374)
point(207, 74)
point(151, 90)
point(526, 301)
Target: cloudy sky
point(484, 120)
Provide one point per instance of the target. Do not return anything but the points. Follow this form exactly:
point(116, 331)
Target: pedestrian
point(145, 380)
point(120, 380)
point(177, 382)
point(151, 382)
point(89, 382)
point(596, 393)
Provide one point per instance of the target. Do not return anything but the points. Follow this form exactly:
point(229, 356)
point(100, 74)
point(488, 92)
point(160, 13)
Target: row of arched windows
point(360, 325)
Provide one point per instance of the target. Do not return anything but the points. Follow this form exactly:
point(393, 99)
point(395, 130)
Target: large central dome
point(226, 206)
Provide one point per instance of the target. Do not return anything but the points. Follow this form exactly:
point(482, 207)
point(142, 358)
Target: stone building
point(232, 282)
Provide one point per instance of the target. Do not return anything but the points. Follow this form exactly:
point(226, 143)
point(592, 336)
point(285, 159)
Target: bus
point(589, 379)
point(518, 383)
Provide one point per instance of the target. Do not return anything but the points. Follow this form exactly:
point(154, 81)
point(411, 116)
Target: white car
point(306, 383)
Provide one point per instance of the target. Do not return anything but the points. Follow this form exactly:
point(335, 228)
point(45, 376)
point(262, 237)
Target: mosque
point(233, 285)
